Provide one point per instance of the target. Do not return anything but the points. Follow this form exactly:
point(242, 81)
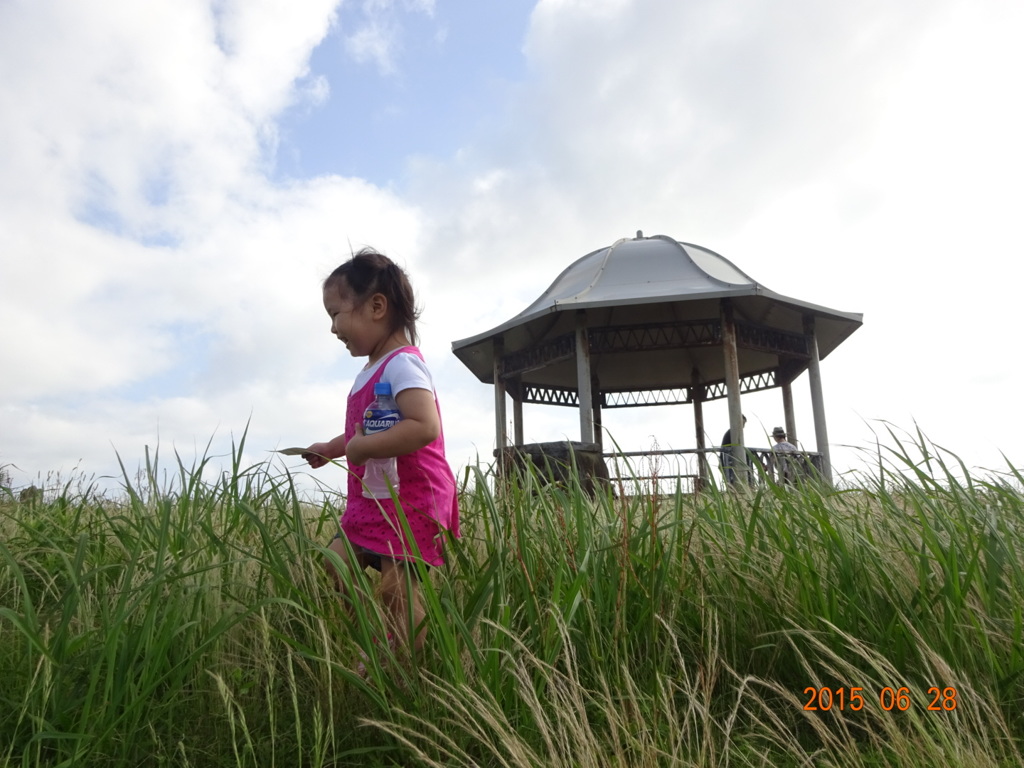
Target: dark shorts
point(371, 558)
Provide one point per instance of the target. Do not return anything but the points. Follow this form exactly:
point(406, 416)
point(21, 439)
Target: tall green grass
point(190, 622)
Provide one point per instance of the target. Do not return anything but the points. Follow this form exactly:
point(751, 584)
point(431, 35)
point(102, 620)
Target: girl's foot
point(364, 660)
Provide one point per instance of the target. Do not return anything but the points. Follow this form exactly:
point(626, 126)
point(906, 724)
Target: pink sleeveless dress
point(426, 492)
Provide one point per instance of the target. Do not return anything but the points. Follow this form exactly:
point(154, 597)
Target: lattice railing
point(654, 336)
point(677, 396)
point(568, 396)
point(774, 340)
point(552, 351)
point(663, 471)
point(754, 383)
point(550, 395)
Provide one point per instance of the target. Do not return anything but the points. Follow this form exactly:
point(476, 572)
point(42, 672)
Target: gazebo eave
point(477, 352)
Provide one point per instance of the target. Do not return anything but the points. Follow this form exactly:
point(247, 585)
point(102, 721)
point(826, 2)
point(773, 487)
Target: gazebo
point(655, 321)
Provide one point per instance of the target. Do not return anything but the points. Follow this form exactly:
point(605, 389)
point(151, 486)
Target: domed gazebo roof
point(659, 292)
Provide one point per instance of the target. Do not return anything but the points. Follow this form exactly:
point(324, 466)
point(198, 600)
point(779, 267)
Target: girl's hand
point(319, 454)
point(355, 450)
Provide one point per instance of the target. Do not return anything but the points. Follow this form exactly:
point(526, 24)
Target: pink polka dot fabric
point(427, 494)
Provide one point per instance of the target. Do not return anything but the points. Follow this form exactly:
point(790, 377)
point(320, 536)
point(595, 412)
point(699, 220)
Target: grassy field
point(190, 623)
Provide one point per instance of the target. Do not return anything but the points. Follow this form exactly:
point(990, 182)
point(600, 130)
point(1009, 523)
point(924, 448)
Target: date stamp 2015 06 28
point(890, 699)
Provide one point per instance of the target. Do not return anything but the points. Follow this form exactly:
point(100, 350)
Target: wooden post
point(595, 389)
point(586, 397)
point(817, 400)
point(517, 412)
point(501, 437)
point(787, 409)
point(697, 396)
point(732, 384)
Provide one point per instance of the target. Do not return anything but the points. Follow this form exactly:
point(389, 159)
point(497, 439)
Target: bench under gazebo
point(654, 321)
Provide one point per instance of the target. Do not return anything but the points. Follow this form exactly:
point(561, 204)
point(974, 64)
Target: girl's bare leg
point(401, 598)
point(338, 546)
point(347, 561)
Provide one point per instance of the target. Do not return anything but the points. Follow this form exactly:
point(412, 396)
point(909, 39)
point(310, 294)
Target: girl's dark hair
point(369, 272)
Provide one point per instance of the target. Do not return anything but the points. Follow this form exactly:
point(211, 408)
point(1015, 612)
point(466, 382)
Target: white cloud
point(152, 274)
point(857, 156)
point(153, 277)
point(378, 34)
point(268, 46)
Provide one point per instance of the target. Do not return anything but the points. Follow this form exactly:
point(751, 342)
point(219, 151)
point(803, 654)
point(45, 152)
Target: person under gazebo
point(728, 461)
point(786, 465)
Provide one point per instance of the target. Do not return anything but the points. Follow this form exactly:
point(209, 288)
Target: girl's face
point(356, 326)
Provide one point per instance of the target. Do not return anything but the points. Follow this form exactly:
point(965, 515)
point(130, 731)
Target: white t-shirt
point(404, 371)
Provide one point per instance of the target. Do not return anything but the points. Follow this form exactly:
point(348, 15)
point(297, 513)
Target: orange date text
point(890, 699)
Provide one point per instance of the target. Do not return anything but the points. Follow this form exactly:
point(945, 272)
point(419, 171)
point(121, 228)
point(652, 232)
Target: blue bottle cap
point(382, 388)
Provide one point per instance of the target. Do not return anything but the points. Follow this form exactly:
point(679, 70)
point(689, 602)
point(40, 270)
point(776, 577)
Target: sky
point(178, 176)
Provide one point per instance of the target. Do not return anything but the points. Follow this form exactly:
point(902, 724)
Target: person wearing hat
point(787, 465)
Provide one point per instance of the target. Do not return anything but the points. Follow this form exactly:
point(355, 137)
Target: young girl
point(372, 310)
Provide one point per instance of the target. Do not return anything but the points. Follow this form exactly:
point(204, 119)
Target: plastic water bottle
point(382, 414)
